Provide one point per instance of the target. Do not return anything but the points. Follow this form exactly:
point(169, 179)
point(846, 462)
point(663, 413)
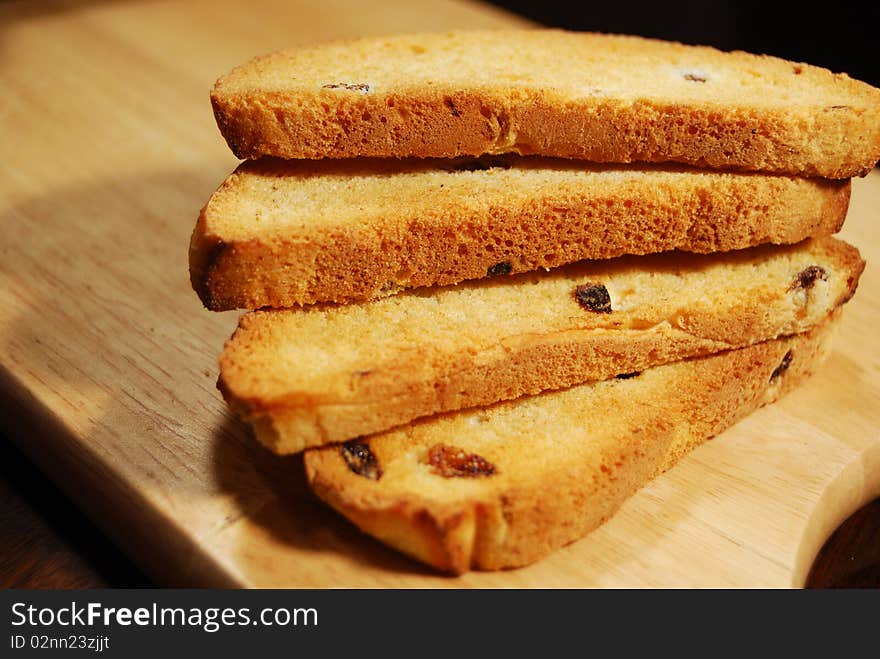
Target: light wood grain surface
point(108, 361)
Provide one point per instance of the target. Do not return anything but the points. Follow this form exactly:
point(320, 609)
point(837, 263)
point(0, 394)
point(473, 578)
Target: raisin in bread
point(305, 377)
point(503, 486)
point(596, 97)
point(280, 234)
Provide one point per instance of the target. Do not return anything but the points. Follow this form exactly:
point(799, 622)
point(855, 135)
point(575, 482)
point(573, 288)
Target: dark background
point(841, 36)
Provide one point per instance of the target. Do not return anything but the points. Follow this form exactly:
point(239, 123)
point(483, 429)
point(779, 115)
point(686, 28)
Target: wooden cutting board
point(108, 361)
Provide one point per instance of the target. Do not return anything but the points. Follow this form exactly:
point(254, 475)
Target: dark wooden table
point(45, 542)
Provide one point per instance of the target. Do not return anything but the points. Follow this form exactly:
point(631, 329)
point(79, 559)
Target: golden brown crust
point(281, 234)
point(204, 254)
point(596, 97)
point(563, 466)
point(313, 376)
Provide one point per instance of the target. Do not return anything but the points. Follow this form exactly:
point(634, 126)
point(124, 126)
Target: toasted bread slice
point(280, 234)
point(306, 377)
point(503, 486)
point(596, 97)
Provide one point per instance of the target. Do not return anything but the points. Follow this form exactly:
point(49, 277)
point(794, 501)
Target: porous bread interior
point(314, 352)
point(523, 437)
point(575, 95)
point(564, 461)
point(306, 200)
point(281, 234)
point(577, 64)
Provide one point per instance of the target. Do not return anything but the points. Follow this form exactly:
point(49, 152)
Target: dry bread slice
point(281, 233)
point(306, 377)
point(549, 92)
point(503, 486)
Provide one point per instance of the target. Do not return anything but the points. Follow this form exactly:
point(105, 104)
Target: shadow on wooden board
point(84, 401)
point(273, 493)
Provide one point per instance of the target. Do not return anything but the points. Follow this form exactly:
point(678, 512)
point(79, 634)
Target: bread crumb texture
point(305, 377)
point(562, 462)
point(285, 233)
point(604, 98)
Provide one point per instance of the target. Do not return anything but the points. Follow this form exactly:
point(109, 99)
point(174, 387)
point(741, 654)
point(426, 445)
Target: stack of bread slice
point(500, 280)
